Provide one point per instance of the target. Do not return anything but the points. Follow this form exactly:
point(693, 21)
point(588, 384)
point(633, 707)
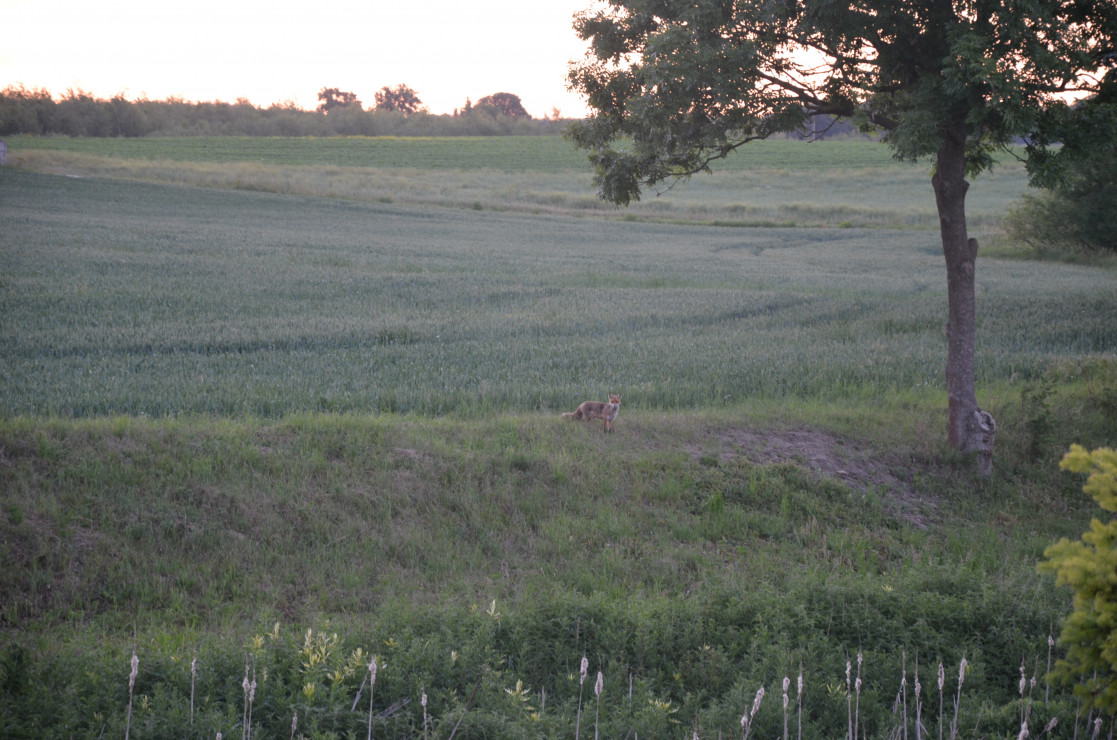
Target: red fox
point(591, 410)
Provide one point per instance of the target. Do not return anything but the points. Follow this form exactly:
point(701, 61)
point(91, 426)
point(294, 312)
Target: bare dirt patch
point(828, 456)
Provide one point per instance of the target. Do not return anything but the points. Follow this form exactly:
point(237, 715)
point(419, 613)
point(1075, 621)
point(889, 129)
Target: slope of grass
point(704, 554)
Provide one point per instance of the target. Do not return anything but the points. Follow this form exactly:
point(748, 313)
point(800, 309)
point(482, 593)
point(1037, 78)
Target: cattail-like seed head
point(294, 722)
point(1050, 641)
point(135, 671)
point(962, 672)
point(252, 691)
point(585, 668)
point(372, 669)
point(756, 702)
point(1051, 725)
point(423, 701)
point(600, 684)
point(857, 685)
point(799, 687)
point(942, 678)
point(786, 684)
point(848, 669)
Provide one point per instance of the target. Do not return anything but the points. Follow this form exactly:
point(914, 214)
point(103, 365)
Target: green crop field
point(124, 298)
point(782, 183)
point(279, 406)
point(514, 153)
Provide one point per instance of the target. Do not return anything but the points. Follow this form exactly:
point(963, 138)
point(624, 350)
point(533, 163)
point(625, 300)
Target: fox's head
point(615, 400)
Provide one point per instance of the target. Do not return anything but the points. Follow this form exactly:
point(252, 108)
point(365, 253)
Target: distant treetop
point(401, 98)
point(330, 98)
point(502, 104)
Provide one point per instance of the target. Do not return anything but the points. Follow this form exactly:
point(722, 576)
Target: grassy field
point(280, 432)
point(776, 183)
point(139, 299)
point(509, 153)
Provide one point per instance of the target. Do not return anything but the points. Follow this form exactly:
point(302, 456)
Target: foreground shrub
point(1088, 566)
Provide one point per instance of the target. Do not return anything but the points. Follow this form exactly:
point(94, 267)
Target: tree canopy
point(331, 98)
point(502, 104)
point(400, 98)
point(1075, 210)
point(687, 82)
point(676, 84)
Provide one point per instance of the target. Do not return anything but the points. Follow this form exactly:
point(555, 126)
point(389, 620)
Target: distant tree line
point(397, 111)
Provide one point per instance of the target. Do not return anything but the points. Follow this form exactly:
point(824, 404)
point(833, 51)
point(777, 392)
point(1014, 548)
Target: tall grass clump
point(371, 689)
point(249, 688)
point(280, 673)
point(597, 688)
point(749, 717)
point(581, 684)
point(135, 663)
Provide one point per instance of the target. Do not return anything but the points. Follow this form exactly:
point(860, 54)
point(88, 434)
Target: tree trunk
point(970, 429)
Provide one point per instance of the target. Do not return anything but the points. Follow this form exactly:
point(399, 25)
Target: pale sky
point(273, 51)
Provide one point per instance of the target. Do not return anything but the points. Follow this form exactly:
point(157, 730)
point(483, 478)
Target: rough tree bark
point(970, 429)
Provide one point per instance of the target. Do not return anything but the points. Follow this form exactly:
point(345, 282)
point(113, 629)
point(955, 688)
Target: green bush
point(1080, 176)
point(1087, 566)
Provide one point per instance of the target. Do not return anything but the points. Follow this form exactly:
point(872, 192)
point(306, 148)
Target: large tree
point(401, 99)
point(675, 84)
point(331, 98)
point(502, 104)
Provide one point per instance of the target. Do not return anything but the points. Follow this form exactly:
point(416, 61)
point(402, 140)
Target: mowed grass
point(125, 298)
